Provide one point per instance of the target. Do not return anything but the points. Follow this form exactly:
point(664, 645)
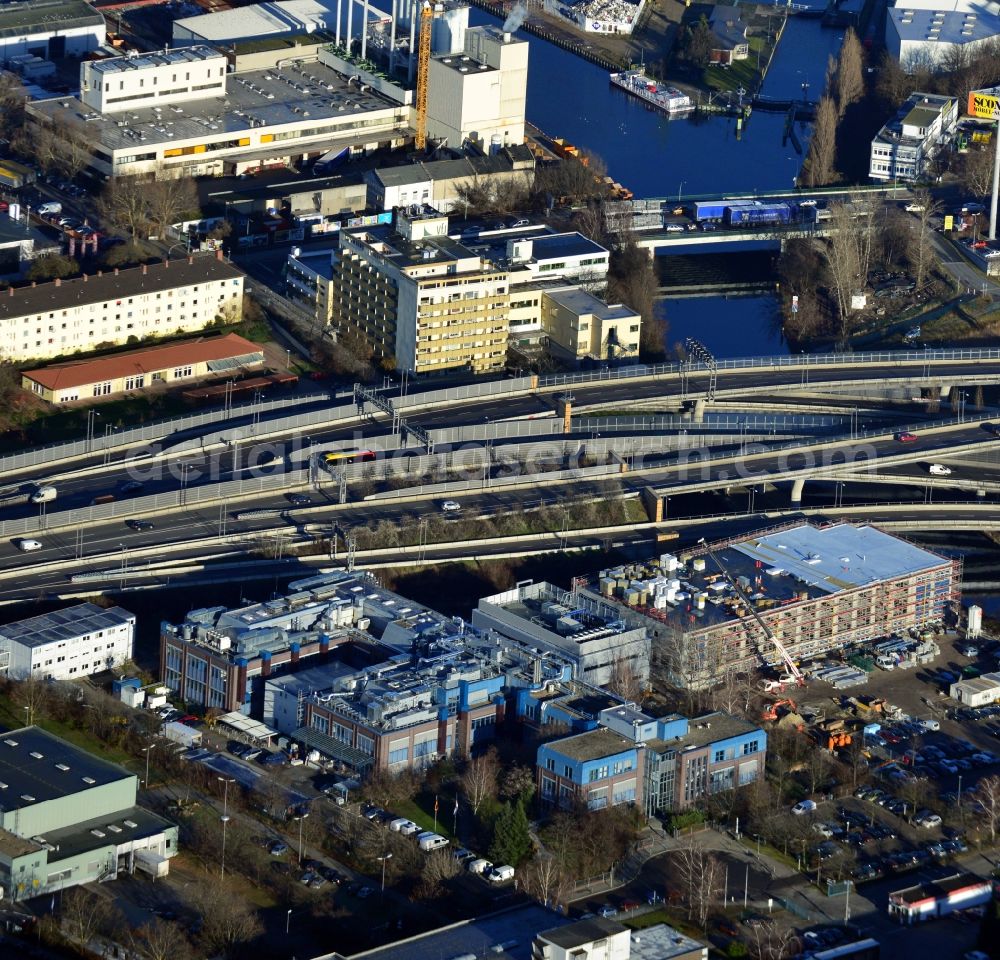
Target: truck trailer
point(709, 210)
point(181, 733)
point(757, 214)
point(15, 175)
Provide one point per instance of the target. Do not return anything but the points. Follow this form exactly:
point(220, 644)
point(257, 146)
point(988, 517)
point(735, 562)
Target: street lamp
point(147, 750)
point(387, 856)
point(680, 187)
point(91, 416)
point(300, 818)
point(225, 781)
point(288, 920)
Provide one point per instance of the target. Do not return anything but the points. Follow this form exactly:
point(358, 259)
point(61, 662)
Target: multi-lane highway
point(696, 455)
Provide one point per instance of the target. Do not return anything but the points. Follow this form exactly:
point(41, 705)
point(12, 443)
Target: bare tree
point(700, 875)
point(229, 922)
point(820, 763)
point(32, 695)
point(545, 880)
point(987, 797)
point(770, 942)
point(123, 205)
point(84, 914)
point(624, 680)
point(161, 940)
point(170, 199)
point(479, 779)
point(850, 80)
point(976, 170)
point(921, 254)
point(820, 165)
point(438, 867)
point(849, 253)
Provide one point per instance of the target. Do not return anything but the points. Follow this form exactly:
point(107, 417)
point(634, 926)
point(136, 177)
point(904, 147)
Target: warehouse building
point(176, 115)
point(67, 644)
point(70, 818)
point(977, 691)
point(139, 370)
point(63, 317)
point(816, 588)
point(49, 29)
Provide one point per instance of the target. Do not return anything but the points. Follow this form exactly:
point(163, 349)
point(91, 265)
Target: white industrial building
point(67, 644)
point(119, 84)
point(478, 95)
point(977, 691)
point(205, 124)
point(905, 146)
point(258, 21)
point(49, 29)
point(599, 16)
point(921, 32)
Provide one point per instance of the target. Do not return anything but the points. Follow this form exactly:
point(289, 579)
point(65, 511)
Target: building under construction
point(779, 598)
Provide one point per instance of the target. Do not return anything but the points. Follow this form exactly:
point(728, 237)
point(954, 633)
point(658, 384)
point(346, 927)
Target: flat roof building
point(904, 148)
point(977, 691)
point(49, 29)
point(63, 317)
point(585, 327)
point(425, 302)
point(137, 370)
point(816, 587)
point(591, 634)
point(67, 644)
point(70, 818)
point(938, 898)
point(270, 118)
point(919, 32)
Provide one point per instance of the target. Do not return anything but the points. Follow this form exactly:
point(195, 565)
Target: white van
point(50, 208)
point(432, 841)
point(43, 495)
point(885, 663)
point(500, 874)
point(479, 866)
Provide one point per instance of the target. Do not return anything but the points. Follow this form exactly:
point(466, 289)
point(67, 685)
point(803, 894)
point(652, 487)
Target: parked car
point(906, 437)
point(804, 806)
point(608, 911)
point(278, 848)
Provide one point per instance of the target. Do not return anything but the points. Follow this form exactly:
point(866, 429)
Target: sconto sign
point(984, 104)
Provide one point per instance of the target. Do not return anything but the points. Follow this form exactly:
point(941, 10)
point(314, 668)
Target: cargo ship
point(669, 100)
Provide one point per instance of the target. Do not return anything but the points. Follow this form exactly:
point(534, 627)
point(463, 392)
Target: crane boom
point(423, 65)
point(778, 645)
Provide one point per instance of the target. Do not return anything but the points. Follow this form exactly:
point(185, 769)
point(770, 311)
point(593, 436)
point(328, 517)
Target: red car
point(906, 437)
point(189, 718)
point(629, 905)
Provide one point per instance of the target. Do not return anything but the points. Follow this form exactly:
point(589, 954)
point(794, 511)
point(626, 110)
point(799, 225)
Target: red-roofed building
point(140, 369)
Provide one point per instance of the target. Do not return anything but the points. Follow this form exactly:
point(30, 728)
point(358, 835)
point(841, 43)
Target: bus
point(351, 455)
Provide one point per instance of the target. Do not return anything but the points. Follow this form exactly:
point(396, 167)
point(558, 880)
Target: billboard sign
point(984, 104)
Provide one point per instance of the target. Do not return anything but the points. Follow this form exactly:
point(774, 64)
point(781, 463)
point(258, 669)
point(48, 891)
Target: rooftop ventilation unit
point(88, 780)
point(62, 766)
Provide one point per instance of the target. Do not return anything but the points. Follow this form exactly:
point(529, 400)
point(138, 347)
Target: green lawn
point(741, 73)
point(421, 812)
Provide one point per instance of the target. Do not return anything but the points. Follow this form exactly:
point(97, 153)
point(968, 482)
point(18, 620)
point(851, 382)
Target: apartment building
point(70, 818)
point(67, 644)
point(63, 317)
point(582, 326)
point(425, 302)
point(904, 148)
point(660, 764)
point(309, 279)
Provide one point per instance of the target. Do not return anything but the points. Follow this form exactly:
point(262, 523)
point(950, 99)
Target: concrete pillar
point(565, 410)
point(653, 503)
point(463, 731)
point(797, 488)
point(699, 411)
point(350, 23)
point(265, 663)
point(534, 381)
point(945, 390)
point(364, 29)
point(339, 14)
point(442, 738)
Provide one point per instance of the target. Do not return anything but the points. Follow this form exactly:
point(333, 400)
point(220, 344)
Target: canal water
point(730, 327)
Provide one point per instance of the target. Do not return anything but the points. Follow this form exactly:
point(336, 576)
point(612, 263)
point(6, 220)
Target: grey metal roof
point(255, 99)
point(559, 245)
point(507, 935)
point(75, 621)
point(39, 16)
point(944, 26)
point(582, 932)
point(119, 826)
point(36, 764)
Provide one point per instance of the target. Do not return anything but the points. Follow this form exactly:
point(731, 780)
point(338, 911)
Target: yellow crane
point(423, 64)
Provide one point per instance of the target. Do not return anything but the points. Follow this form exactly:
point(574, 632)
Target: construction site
point(779, 599)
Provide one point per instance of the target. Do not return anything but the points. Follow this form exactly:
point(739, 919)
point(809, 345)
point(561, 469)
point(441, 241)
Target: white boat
point(670, 100)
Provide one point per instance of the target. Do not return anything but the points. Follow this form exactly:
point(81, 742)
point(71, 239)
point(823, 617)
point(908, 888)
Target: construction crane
point(423, 65)
point(778, 645)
